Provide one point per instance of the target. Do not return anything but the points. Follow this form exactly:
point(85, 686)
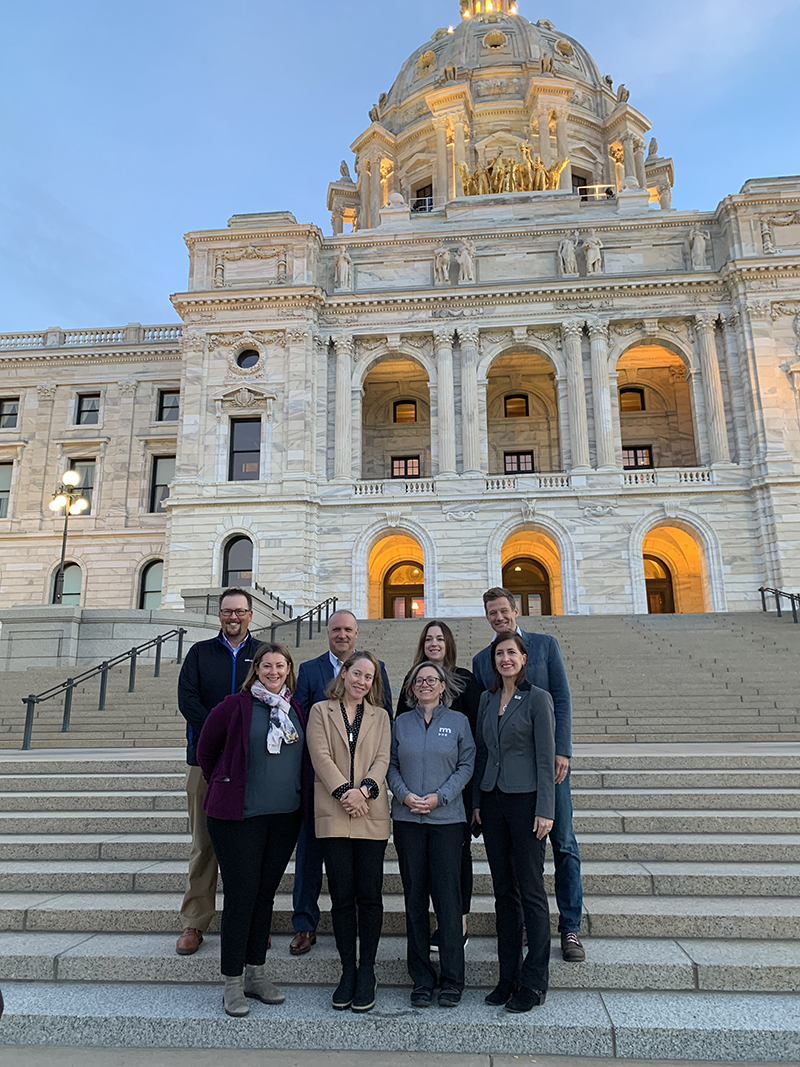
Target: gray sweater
point(439, 759)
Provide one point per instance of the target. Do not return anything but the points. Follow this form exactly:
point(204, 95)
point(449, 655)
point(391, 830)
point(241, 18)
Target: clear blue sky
point(126, 124)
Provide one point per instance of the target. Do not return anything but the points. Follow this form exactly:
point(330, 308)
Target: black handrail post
point(132, 676)
point(794, 608)
point(101, 706)
point(311, 624)
point(297, 639)
point(763, 598)
point(327, 610)
point(319, 618)
point(67, 706)
point(159, 642)
point(272, 634)
point(778, 603)
point(181, 632)
point(30, 704)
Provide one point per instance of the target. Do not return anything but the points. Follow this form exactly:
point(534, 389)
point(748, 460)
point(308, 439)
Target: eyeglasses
point(227, 613)
point(427, 683)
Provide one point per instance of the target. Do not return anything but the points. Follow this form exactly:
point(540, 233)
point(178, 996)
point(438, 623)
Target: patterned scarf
point(281, 727)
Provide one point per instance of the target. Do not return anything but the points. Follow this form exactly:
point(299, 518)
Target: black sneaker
point(449, 998)
point(501, 994)
point(571, 948)
point(345, 990)
point(435, 941)
point(524, 999)
point(421, 997)
point(366, 990)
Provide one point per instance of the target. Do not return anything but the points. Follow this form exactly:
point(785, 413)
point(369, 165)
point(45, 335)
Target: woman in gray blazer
point(514, 803)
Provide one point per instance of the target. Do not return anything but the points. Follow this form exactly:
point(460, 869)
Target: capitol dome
point(495, 84)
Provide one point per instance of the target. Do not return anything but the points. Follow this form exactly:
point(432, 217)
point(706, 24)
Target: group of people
point(280, 761)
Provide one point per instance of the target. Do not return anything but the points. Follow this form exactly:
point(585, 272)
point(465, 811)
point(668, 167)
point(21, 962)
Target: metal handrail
point(328, 605)
point(793, 598)
point(280, 605)
point(102, 669)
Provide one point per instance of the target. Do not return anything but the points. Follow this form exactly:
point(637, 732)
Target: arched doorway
point(530, 584)
point(404, 591)
point(388, 554)
point(658, 581)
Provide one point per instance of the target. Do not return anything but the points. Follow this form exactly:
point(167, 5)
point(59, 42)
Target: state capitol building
point(511, 362)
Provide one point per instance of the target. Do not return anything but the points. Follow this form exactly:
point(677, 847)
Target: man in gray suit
point(546, 670)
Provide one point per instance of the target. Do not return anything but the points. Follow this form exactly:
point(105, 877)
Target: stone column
point(664, 195)
point(459, 148)
point(342, 464)
point(443, 339)
point(638, 162)
point(470, 415)
point(440, 126)
point(544, 136)
point(375, 192)
point(337, 220)
point(762, 370)
point(562, 147)
point(299, 422)
point(601, 396)
point(739, 405)
point(363, 217)
point(627, 155)
point(704, 324)
point(572, 332)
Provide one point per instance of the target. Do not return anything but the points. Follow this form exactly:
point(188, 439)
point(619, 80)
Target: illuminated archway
point(522, 416)
point(682, 557)
point(657, 416)
point(536, 546)
point(387, 553)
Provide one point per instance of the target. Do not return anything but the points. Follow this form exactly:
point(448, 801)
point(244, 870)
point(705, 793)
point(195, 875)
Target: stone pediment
point(245, 399)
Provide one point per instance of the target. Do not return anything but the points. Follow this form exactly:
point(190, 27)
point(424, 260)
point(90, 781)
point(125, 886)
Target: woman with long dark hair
point(252, 753)
point(515, 803)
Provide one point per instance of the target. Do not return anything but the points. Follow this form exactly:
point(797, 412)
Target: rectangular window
point(631, 400)
point(245, 455)
point(9, 412)
point(88, 411)
point(405, 466)
point(168, 405)
point(405, 411)
point(163, 474)
point(85, 468)
point(5, 488)
point(422, 200)
point(637, 457)
point(516, 407)
point(518, 462)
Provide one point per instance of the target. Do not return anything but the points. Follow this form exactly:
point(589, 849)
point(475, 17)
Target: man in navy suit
point(312, 681)
point(545, 669)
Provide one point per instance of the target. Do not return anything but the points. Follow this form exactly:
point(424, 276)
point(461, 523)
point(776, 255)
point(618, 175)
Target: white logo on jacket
point(444, 730)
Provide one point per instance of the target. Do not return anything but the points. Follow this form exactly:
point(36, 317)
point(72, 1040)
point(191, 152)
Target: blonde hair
point(335, 690)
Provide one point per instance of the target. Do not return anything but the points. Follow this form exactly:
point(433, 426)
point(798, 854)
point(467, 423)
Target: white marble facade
point(568, 302)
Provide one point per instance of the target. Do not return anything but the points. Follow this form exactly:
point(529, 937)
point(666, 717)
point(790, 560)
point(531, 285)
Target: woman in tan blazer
point(349, 741)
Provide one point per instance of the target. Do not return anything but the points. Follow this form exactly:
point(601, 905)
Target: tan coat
point(330, 754)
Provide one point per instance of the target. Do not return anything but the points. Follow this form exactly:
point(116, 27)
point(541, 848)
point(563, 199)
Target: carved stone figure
point(450, 72)
point(344, 269)
point(441, 265)
point(481, 179)
point(468, 182)
point(653, 148)
point(592, 246)
point(767, 242)
point(698, 239)
point(524, 169)
point(623, 95)
point(547, 62)
point(554, 174)
point(498, 173)
point(539, 175)
point(466, 263)
point(344, 170)
point(566, 255)
point(374, 113)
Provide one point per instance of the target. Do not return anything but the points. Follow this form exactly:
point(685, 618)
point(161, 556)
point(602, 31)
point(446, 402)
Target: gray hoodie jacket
point(438, 760)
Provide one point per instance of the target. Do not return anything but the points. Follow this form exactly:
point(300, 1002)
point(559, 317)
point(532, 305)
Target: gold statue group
point(505, 175)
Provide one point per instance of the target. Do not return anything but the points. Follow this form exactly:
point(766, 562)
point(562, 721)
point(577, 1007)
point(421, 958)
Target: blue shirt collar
point(234, 651)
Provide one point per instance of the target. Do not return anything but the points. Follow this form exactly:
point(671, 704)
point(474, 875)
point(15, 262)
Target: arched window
point(237, 564)
point(71, 593)
point(405, 411)
point(150, 589)
point(516, 407)
point(631, 398)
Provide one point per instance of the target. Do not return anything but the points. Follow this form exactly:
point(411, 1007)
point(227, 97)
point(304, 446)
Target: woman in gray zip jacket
point(432, 760)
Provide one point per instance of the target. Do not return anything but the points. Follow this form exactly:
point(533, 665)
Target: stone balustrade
point(55, 337)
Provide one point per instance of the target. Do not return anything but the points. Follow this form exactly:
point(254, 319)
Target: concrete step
point(659, 798)
point(599, 878)
point(96, 800)
point(90, 783)
point(604, 916)
point(610, 964)
point(676, 1024)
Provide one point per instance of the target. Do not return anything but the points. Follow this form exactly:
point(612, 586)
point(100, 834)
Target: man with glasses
point(211, 671)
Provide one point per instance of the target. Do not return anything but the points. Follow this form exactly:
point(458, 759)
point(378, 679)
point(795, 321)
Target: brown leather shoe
point(189, 942)
point(302, 942)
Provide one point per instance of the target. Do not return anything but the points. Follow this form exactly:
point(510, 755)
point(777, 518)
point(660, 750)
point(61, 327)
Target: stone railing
point(368, 489)
point(420, 486)
point(394, 486)
point(669, 476)
point(133, 333)
point(505, 483)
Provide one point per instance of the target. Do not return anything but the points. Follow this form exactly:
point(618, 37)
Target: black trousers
point(355, 881)
point(466, 861)
point(430, 866)
point(516, 860)
point(252, 855)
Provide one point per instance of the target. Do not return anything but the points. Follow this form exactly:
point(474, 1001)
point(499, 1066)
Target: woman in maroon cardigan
point(253, 755)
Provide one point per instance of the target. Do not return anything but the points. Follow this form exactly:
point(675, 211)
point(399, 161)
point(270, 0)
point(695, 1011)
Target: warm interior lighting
point(518, 568)
point(414, 605)
point(70, 478)
point(513, 9)
point(489, 5)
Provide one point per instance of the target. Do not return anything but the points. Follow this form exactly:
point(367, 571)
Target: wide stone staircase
point(686, 785)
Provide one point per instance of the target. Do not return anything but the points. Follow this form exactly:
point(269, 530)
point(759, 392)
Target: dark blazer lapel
point(516, 702)
point(492, 714)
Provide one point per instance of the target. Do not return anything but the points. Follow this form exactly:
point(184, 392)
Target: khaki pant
point(199, 902)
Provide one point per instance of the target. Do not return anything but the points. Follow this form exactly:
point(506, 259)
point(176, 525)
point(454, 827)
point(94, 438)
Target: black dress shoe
point(449, 998)
point(366, 990)
point(345, 990)
point(421, 997)
point(524, 999)
point(501, 994)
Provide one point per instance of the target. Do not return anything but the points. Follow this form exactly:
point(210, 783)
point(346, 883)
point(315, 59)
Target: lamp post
point(73, 501)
